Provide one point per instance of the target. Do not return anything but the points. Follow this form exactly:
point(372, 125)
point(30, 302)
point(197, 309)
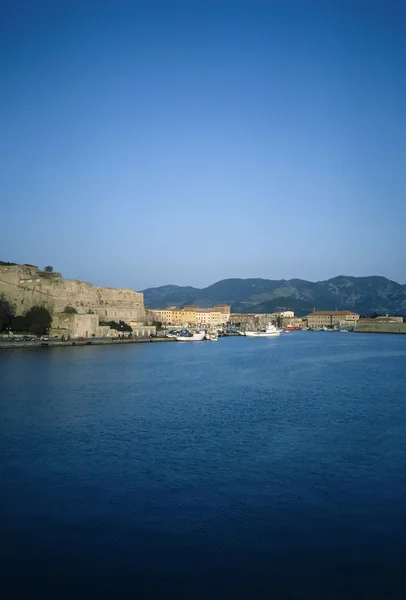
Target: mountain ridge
point(365, 295)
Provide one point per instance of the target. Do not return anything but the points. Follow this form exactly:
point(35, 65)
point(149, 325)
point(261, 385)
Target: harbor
point(42, 309)
point(189, 335)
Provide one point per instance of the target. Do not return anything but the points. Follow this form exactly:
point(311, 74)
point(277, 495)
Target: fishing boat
point(172, 334)
point(187, 336)
point(270, 331)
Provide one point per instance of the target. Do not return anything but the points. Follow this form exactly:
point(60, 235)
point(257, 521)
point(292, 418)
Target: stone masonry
point(25, 286)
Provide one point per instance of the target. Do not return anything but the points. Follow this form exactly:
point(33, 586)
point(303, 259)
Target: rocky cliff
point(25, 286)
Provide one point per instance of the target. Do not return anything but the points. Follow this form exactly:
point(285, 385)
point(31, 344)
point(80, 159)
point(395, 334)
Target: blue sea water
point(245, 468)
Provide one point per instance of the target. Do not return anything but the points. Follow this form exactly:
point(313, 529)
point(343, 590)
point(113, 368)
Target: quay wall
point(369, 326)
point(25, 286)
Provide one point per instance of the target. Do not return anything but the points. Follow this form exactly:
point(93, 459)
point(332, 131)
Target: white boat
point(271, 331)
point(186, 336)
point(212, 337)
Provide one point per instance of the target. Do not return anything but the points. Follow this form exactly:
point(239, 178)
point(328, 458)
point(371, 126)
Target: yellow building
point(203, 317)
point(192, 315)
point(224, 310)
point(332, 318)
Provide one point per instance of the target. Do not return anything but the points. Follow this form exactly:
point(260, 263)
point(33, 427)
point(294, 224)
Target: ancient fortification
point(25, 286)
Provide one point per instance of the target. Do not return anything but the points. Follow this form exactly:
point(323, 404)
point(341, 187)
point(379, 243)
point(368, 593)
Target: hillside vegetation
point(364, 295)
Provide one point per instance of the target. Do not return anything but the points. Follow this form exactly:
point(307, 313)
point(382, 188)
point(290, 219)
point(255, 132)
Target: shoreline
point(73, 343)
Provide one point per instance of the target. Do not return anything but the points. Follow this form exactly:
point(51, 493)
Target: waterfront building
point(388, 319)
point(75, 325)
point(215, 316)
point(139, 330)
point(283, 315)
point(240, 318)
point(332, 318)
point(286, 317)
point(294, 322)
point(252, 321)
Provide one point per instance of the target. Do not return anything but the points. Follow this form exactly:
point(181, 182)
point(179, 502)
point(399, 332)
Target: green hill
point(364, 295)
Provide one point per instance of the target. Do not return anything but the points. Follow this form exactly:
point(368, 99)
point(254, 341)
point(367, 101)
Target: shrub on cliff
point(49, 269)
point(120, 326)
point(38, 320)
point(70, 310)
point(6, 313)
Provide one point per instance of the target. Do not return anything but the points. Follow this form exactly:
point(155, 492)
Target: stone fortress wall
point(375, 326)
point(25, 286)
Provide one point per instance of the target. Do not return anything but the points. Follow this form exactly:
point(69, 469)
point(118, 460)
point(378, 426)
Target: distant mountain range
point(364, 295)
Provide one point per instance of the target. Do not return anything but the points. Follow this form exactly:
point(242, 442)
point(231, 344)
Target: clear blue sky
point(146, 143)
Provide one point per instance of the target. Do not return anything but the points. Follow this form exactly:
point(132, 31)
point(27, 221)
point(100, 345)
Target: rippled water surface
point(245, 468)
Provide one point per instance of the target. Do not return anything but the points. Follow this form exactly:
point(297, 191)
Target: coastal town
point(80, 313)
point(221, 316)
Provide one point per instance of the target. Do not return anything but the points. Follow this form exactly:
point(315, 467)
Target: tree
point(158, 325)
point(49, 269)
point(18, 324)
point(120, 326)
point(38, 320)
point(70, 310)
point(124, 326)
point(6, 313)
point(374, 315)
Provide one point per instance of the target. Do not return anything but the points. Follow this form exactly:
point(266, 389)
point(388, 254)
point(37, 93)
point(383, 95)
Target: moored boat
point(172, 334)
point(270, 331)
point(212, 337)
point(187, 336)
